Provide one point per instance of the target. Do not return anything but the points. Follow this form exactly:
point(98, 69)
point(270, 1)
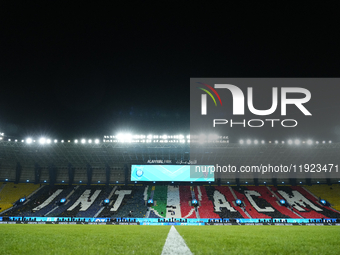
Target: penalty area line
point(175, 244)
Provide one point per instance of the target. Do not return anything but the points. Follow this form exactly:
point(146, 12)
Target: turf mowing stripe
point(175, 244)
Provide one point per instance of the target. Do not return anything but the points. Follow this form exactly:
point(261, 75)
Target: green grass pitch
point(107, 239)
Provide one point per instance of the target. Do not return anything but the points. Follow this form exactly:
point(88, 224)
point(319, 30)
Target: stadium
point(94, 182)
point(156, 128)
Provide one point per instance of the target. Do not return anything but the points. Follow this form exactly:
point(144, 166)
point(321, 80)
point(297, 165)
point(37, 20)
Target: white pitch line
point(175, 244)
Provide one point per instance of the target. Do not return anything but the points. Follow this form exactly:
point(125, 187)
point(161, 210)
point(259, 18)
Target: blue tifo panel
point(175, 173)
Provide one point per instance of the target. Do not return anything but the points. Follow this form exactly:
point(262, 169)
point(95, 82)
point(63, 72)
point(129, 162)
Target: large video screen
point(175, 173)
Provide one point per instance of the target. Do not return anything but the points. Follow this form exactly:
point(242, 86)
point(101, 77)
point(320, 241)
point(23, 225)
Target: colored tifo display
point(173, 173)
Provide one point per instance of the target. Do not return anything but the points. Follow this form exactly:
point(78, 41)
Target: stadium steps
point(13, 192)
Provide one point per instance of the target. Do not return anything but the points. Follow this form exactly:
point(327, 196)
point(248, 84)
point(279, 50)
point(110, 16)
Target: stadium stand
point(51, 200)
point(96, 205)
point(328, 212)
point(133, 205)
point(268, 198)
point(160, 200)
point(187, 211)
point(230, 197)
point(70, 200)
point(12, 192)
point(206, 207)
point(330, 193)
point(173, 203)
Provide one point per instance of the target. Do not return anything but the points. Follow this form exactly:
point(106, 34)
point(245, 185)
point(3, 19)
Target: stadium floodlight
point(124, 138)
point(22, 141)
point(297, 141)
point(330, 142)
point(188, 136)
point(256, 142)
point(241, 141)
point(55, 140)
point(62, 141)
point(42, 140)
point(262, 141)
point(83, 141)
point(48, 141)
point(283, 142)
point(309, 142)
point(164, 136)
point(248, 141)
point(149, 137)
point(27, 180)
point(90, 141)
point(9, 140)
point(290, 142)
point(323, 141)
point(317, 142)
point(181, 136)
point(201, 138)
point(212, 137)
point(29, 140)
point(276, 141)
point(15, 140)
point(76, 141)
point(96, 141)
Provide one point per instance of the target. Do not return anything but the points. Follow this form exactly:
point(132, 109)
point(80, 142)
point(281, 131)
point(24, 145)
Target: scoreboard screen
point(175, 173)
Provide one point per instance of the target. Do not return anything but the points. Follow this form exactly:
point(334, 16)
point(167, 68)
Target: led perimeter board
point(166, 173)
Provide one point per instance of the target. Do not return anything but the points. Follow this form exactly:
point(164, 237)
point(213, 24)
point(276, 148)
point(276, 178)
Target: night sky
point(87, 71)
